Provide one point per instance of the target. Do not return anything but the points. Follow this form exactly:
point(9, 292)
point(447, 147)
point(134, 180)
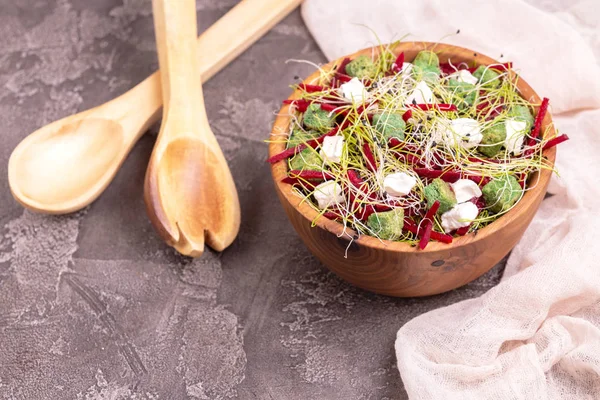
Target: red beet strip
point(328, 107)
point(407, 115)
point(440, 237)
point(537, 126)
point(292, 151)
point(381, 207)
point(354, 179)
point(342, 77)
point(397, 65)
point(289, 180)
point(409, 226)
point(432, 211)
point(426, 235)
point(358, 183)
point(482, 106)
point(439, 107)
point(369, 157)
point(447, 69)
point(295, 181)
point(450, 176)
point(554, 141)
point(394, 142)
point(311, 88)
point(446, 176)
point(365, 212)
point(342, 68)
point(463, 231)
point(413, 160)
point(479, 202)
point(428, 173)
point(494, 113)
point(300, 104)
point(309, 174)
point(331, 215)
point(479, 180)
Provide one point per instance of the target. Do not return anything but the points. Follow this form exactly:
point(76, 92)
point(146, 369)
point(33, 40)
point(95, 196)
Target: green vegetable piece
point(521, 113)
point(299, 136)
point(493, 139)
point(426, 66)
point(441, 191)
point(389, 125)
point(361, 67)
point(307, 159)
point(488, 78)
point(317, 119)
point(427, 73)
point(426, 58)
point(501, 194)
point(464, 94)
point(387, 225)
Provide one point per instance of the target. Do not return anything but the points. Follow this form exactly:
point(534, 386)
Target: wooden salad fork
point(189, 191)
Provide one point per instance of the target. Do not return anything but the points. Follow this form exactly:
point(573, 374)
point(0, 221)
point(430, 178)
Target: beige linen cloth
point(537, 334)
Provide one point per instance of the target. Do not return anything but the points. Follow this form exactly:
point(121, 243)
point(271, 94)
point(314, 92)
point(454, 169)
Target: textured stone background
point(94, 306)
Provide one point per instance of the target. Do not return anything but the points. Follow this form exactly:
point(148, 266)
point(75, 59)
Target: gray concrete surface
point(94, 306)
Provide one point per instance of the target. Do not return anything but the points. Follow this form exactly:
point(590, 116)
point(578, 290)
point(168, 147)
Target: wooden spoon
point(64, 166)
point(189, 191)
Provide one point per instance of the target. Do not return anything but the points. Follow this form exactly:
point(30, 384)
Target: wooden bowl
point(398, 269)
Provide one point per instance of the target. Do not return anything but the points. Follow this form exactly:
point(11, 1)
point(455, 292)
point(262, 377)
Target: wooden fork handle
point(227, 38)
point(175, 28)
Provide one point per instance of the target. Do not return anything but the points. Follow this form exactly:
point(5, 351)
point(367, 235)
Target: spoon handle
point(227, 38)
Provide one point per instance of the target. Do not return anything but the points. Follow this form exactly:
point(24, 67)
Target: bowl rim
point(279, 169)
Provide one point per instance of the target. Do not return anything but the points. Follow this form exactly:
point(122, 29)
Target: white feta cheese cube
point(329, 193)
point(354, 90)
point(459, 216)
point(332, 148)
point(515, 135)
point(465, 190)
point(464, 131)
point(406, 68)
point(399, 184)
point(421, 94)
point(464, 76)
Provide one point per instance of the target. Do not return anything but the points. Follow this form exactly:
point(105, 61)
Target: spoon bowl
point(42, 175)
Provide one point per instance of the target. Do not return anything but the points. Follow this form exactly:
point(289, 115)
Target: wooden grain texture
point(65, 165)
point(398, 269)
point(189, 191)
